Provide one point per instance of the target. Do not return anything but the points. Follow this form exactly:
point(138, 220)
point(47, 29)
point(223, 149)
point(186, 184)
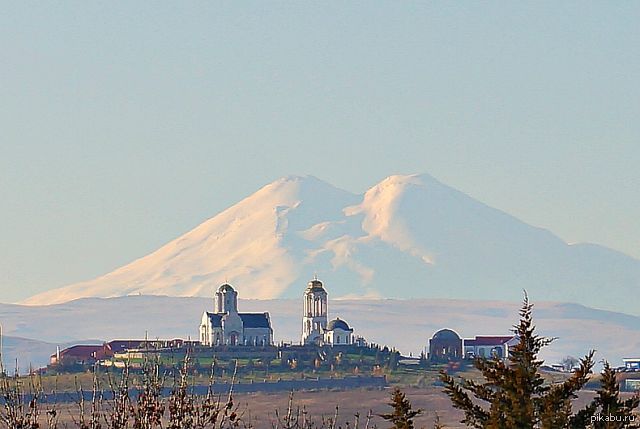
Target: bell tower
point(314, 317)
point(226, 300)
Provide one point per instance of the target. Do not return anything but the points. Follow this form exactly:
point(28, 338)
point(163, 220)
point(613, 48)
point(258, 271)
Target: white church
point(225, 326)
point(315, 328)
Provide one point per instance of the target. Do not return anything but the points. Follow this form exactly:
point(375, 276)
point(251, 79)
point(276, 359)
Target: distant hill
point(28, 353)
point(407, 237)
point(404, 324)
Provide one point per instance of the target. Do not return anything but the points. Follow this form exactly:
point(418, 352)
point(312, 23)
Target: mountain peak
point(409, 236)
point(299, 178)
point(301, 184)
point(421, 179)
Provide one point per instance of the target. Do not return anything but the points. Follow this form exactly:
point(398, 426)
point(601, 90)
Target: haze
point(126, 125)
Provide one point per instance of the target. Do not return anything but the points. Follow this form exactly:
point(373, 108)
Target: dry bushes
point(123, 404)
point(141, 400)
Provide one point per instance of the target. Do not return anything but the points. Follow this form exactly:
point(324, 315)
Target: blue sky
point(124, 125)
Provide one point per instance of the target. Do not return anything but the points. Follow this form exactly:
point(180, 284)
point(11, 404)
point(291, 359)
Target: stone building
point(226, 326)
point(489, 346)
point(444, 346)
point(315, 328)
point(314, 313)
point(338, 333)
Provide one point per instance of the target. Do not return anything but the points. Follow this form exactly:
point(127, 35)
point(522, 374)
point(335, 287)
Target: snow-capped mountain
point(407, 237)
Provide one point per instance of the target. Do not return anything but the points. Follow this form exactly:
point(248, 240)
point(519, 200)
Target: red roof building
point(487, 346)
point(79, 355)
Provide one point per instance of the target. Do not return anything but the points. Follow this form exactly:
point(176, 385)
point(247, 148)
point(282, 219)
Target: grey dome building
point(444, 346)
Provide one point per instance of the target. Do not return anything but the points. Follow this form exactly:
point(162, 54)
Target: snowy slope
point(244, 245)
point(407, 237)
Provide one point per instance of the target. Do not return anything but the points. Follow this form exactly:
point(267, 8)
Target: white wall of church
point(338, 337)
point(257, 336)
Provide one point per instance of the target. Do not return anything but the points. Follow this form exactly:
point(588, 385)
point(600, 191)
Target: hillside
point(404, 324)
point(28, 353)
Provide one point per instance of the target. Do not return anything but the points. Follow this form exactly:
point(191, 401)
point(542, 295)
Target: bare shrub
point(296, 417)
point(20, 404)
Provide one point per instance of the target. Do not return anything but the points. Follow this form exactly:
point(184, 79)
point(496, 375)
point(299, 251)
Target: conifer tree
point(394, 357)
point(403, 414)
point(514, 391)
point(423, 362)
point(437, 424)
point(607, 410)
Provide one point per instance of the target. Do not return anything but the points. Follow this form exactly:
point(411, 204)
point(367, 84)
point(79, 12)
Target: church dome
point(315, 285)
point(338, 324)
point(226, 288)
point(446, 334)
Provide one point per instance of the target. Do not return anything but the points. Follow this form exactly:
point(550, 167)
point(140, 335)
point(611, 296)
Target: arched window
point(496, 352)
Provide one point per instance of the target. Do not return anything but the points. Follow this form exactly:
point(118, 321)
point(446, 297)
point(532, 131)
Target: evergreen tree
point(403, 414)
point(378, 357)
point(423, 362)
point(394, 357)
point(515, 393)
point(614, 412)
point(437, 424)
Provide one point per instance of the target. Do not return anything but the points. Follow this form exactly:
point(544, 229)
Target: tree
point(378, 357)
point(423, 362)
point(607, 410)
point(514, 392)
point(394, 358)
point(569, 362)
point(437, 424)
point(403, 414)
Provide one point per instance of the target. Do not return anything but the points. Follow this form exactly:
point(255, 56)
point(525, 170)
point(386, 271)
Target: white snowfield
point(407, 237)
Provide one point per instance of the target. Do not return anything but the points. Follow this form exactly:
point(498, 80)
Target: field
point(260, 408)
point(349, 403)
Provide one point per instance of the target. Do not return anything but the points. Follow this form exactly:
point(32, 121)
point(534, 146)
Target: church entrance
point(233, 339)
